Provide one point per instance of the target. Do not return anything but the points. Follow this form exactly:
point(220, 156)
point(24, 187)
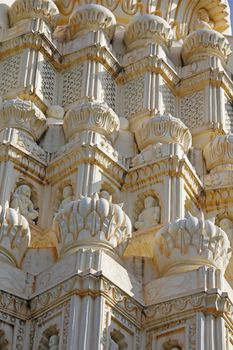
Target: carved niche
point(49, 339)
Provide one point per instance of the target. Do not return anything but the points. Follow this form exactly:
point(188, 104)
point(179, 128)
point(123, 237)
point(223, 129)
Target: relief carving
point(92, 220)
point(67, 196)
point(54, 342)
point(203, 20)
point(150, 215)
point(21, 201)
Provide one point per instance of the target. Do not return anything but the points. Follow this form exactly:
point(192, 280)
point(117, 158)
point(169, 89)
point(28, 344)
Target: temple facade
point(116, 175)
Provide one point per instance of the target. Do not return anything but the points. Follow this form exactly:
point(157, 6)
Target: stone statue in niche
point(62, 33)
point(124, 142)
point(113, 345)
point(150, 215)
point(227, 226)
point(172, 345)
point(21, 201)
point(54, 342)
point(67, 196)
point(203, 20)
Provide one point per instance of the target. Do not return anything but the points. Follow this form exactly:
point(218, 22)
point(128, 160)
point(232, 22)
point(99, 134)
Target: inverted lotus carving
point(92, 221)
point(90, 116)
point(204, 43)
point(163, 128)
point(15, 236)
point(26, 9)
point(92, 17)
point(219, 151)
point(189, 243)
point(24, 115)
point(147, 29)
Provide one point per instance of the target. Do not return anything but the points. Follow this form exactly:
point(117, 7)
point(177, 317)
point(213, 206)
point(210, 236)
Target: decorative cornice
point(29, 9)
point(142, 176)
point(211, 302)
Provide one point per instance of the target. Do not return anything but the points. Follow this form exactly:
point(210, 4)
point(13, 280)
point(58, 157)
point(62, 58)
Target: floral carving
point(94, 221)
point(204, 43)
point(219, 151)
point(93, 116)
point(146, 29)
point(92, 17)
point(26, 9)
point(24, 115)
point(189, 243)
point(164, 129)
point(15, 236)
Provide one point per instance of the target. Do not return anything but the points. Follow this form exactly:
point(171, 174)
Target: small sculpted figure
point(21, 201)
point(62, 33)
point(124, 142)
point(203, 21)
point(150, 215)
point(67, 196)
point(227, 225)
point(54, 342)
point(113, 345)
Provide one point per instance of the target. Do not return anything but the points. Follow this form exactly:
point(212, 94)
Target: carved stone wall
point(116, 164)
